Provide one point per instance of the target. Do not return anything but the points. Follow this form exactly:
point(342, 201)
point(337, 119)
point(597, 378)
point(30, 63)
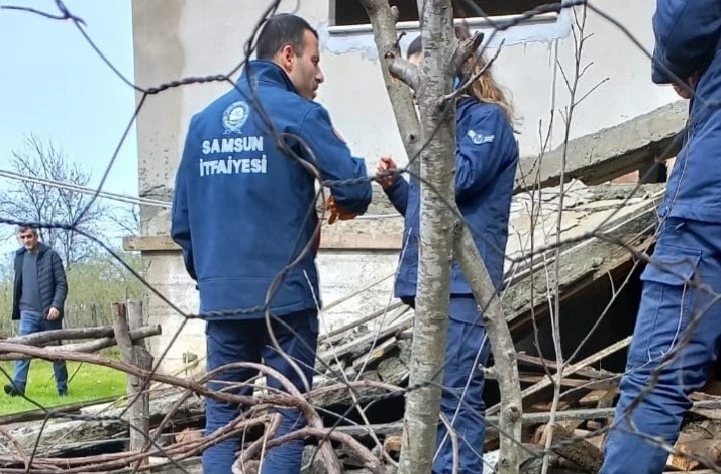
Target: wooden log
point(55, 436)
point(343, 398)
point(599, 396)
point(376, 354)
point(392, 445)
point(570, 370)
point(681, 462)
point(137, 355)
point(341, 333)
point(581, 452)
point(41, 413)
point(362, 345)
point(393, 371)
point(528, 419)
point(44, 337)
point(90, 346)
point(709, 449)
point(713, 414)
point(603, 385)
point(139, 413)
point(191, 465)
point(589, 372)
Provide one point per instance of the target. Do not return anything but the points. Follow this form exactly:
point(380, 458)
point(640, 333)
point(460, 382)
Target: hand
point(53, 313)
point(682, 90)
point(386, 164)
point(336, 213)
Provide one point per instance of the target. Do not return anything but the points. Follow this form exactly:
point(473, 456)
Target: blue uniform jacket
point(243, 209)
point(486, 160)
point(687, 43)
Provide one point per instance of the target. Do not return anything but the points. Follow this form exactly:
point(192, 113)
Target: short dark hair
point(22, 228)
point(280, 30)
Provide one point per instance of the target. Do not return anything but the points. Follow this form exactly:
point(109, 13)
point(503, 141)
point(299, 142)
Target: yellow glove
point(336, 213)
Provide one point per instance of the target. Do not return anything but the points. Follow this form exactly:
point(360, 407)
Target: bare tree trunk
point(383, 18)
point(436, 239)
point(504, 353)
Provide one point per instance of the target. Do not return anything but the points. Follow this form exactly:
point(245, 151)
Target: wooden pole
point(127, 316)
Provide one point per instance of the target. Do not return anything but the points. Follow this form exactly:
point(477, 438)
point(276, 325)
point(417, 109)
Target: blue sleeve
point(335, 163)
point(685, 32)
point(180, 219)
point(398, 194)
point(480, 152)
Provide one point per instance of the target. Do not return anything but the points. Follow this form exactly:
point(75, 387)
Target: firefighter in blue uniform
point(486, 161)
point(688, 249)
point(244, 209)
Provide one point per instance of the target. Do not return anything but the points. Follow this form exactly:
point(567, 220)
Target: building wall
point(175, 39)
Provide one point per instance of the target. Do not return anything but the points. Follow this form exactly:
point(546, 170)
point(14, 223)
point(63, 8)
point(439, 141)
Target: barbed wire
point(311, 166)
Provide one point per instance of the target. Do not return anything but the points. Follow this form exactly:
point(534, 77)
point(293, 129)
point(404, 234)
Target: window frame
point(473, 22)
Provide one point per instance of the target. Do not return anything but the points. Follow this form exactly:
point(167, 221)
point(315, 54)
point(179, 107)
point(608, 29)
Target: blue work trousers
point(32, 322)
point(230, 341)
point(674, 342)
point(467, 352)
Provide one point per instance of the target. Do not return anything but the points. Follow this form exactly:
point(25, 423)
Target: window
point(351, 12)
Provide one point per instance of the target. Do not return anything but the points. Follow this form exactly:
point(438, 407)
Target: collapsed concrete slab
point(602, 229)
point(358, 258)
point(611, 152)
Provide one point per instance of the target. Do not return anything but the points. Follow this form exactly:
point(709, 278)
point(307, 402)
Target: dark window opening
point(351, 12)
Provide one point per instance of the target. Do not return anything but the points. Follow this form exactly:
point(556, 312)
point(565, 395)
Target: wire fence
point(351, 426)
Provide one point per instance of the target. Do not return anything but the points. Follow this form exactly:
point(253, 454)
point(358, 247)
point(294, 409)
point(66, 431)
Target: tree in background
point(127, 218)
point(95, 283)
point(45, 204)
point(56, 192)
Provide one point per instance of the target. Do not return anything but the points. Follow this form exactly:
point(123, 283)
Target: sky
point(54, 85)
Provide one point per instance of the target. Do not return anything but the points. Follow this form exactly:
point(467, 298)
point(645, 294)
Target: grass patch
point(91, 382)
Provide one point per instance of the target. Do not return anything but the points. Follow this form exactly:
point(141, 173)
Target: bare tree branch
point(504, 352)
point(383, 18)
point(403, 70)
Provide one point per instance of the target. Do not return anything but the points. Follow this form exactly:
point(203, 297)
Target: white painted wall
point(206, 37)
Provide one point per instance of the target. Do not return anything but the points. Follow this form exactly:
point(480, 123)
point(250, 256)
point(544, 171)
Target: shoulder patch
point(480, 138)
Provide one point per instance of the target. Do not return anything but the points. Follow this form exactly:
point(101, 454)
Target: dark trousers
point(467, 352)
point(654, 392)
point(232, 341)
point(32, 322)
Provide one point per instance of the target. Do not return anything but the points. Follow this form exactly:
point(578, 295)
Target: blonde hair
point(485, 88)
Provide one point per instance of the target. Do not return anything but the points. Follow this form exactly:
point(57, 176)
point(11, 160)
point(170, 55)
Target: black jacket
point(51, 279)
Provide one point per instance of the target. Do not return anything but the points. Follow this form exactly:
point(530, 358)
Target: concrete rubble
point(578, 243)
point(374, 353)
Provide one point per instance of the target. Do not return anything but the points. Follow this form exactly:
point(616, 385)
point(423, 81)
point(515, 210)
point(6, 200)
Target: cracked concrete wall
point(175, 39)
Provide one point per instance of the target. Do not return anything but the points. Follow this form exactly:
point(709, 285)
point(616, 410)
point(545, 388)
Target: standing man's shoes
point(12, 390)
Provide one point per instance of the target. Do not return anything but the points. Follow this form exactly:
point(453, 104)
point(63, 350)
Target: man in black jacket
point(39, 292)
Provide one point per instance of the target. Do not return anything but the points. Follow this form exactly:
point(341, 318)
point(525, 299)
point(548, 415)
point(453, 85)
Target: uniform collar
point(268, 72)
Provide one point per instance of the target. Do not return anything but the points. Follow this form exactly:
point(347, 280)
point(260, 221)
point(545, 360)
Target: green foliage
point(94, 285)
point(90, 382)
